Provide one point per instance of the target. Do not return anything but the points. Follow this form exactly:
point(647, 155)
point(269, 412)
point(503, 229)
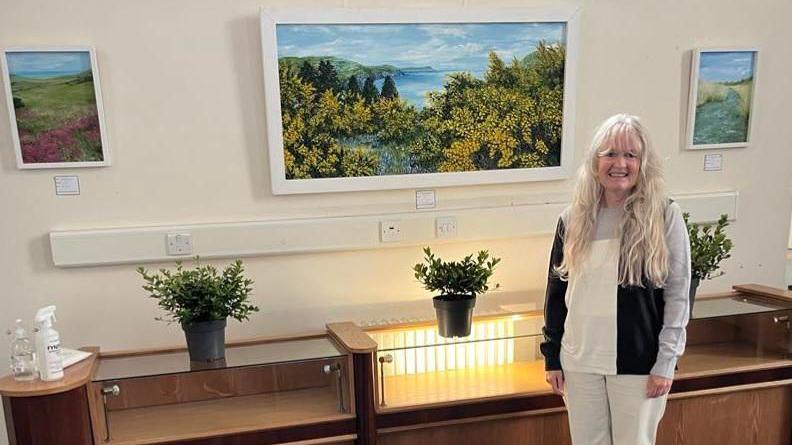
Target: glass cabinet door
point(501, 356)
point(149, 397)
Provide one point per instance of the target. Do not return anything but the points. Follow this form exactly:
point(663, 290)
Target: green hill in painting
point(345, 68)
point(50, 102)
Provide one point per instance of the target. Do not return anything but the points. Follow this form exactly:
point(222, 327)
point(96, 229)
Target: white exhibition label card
point(713, 162)
point(67, 185)
point(425, 199)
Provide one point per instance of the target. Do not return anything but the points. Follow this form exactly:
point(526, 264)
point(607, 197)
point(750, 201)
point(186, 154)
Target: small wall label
point(713, 162)
point(425, 199)
point(67, 185)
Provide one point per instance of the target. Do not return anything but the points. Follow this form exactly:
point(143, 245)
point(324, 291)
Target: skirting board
point(135, 245)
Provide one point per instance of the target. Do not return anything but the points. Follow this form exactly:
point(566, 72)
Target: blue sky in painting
point(726, 66)
point(48, 64)
point(444, 47)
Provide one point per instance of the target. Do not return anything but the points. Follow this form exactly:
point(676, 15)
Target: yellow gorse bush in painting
point(509, 119)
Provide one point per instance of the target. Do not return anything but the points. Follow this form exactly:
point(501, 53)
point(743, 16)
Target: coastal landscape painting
point(721, 99)
point(403, 100)
point(55, 107)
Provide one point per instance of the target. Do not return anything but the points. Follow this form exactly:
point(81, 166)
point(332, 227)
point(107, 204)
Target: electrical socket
point(391, 231)
point(179, 244)
point(446, 227)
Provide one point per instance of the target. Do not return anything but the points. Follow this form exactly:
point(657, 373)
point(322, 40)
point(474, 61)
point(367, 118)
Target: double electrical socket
point(446, 227)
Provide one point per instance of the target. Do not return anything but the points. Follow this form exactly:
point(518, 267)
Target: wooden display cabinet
point(402, 384)
point(278, 391)
point(733, 385)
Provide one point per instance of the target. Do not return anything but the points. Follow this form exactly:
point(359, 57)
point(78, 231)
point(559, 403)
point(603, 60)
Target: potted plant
point(708, 247)
point(459, 282)
point(201, 300)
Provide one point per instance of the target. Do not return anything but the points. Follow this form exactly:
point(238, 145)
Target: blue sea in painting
point(43, 74)
point(47, 64)
point(413, 87)
point(423, 53)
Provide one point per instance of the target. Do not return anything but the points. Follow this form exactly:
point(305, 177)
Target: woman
point(617, 294)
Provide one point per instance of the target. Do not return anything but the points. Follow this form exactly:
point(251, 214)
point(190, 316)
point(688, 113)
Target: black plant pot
point(205, 340)
point(454, 314)
point(694, 284)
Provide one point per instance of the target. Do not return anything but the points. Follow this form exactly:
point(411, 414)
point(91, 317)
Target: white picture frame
point(721, 101)
point(272, 19)
point(57, 130)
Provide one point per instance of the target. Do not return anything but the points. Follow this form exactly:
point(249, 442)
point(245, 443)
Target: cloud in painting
point(445, 47)
point(48, 62)
point(726, 66)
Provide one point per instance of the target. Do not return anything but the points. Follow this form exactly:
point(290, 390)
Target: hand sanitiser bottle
point(50, 361)
point(23, 365)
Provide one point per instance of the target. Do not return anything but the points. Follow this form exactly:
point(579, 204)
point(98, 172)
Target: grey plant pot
point(205, 340)
point(694, 284)
point(454, 314)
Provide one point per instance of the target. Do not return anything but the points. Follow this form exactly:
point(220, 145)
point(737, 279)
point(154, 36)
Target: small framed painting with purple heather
point(55, 106)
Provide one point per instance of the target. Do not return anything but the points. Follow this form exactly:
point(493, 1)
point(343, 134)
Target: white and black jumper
point(593, 324)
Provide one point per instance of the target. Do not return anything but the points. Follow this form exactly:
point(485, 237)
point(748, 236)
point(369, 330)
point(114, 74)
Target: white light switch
point(179, 244)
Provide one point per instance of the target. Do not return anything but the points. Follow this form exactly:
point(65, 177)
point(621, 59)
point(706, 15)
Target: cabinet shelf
point(441, 387)
point(727, 357)
point(207, 418)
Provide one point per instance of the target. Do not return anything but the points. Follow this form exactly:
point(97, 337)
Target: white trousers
point(611, 409)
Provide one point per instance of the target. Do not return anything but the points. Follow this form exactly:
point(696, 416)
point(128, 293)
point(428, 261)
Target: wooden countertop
point(764, 291)
point(75, 376)
point(352, 337)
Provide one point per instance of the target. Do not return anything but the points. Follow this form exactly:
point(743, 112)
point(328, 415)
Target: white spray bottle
point(48, 351)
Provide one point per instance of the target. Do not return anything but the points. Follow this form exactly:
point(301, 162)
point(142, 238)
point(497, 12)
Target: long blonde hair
point(643, 249)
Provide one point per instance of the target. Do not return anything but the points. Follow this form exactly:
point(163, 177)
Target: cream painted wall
point(182, 86)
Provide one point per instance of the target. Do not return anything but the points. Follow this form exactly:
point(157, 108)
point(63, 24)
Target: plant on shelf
point(201, 299)
point(709, 245)
point(459, 282)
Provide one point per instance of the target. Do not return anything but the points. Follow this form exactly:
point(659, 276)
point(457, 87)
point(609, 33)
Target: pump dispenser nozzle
point(45, 316)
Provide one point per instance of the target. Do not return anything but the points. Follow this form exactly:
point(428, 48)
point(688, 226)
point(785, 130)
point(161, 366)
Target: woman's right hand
point(556, 381)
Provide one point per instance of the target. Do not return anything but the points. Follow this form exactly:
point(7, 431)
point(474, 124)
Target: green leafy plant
point(467, 277)
point(708, 247)
point(200, 294)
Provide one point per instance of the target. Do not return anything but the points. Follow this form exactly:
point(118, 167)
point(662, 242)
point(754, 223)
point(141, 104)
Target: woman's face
point(619, 166)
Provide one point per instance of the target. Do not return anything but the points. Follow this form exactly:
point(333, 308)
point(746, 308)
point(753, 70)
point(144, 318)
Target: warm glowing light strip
point(421, 350)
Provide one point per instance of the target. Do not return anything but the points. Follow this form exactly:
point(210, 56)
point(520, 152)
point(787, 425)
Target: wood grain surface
point(74, 376)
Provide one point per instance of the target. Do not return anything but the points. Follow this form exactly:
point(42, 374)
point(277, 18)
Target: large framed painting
point(55, 105)
point(368, 99)
point(722, 88)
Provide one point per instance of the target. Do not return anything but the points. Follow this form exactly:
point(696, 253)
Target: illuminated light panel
point(421, 350)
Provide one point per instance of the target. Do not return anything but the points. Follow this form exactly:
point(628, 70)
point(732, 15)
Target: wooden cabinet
point(403, 384)
point(733, 385)
point(263, 392)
